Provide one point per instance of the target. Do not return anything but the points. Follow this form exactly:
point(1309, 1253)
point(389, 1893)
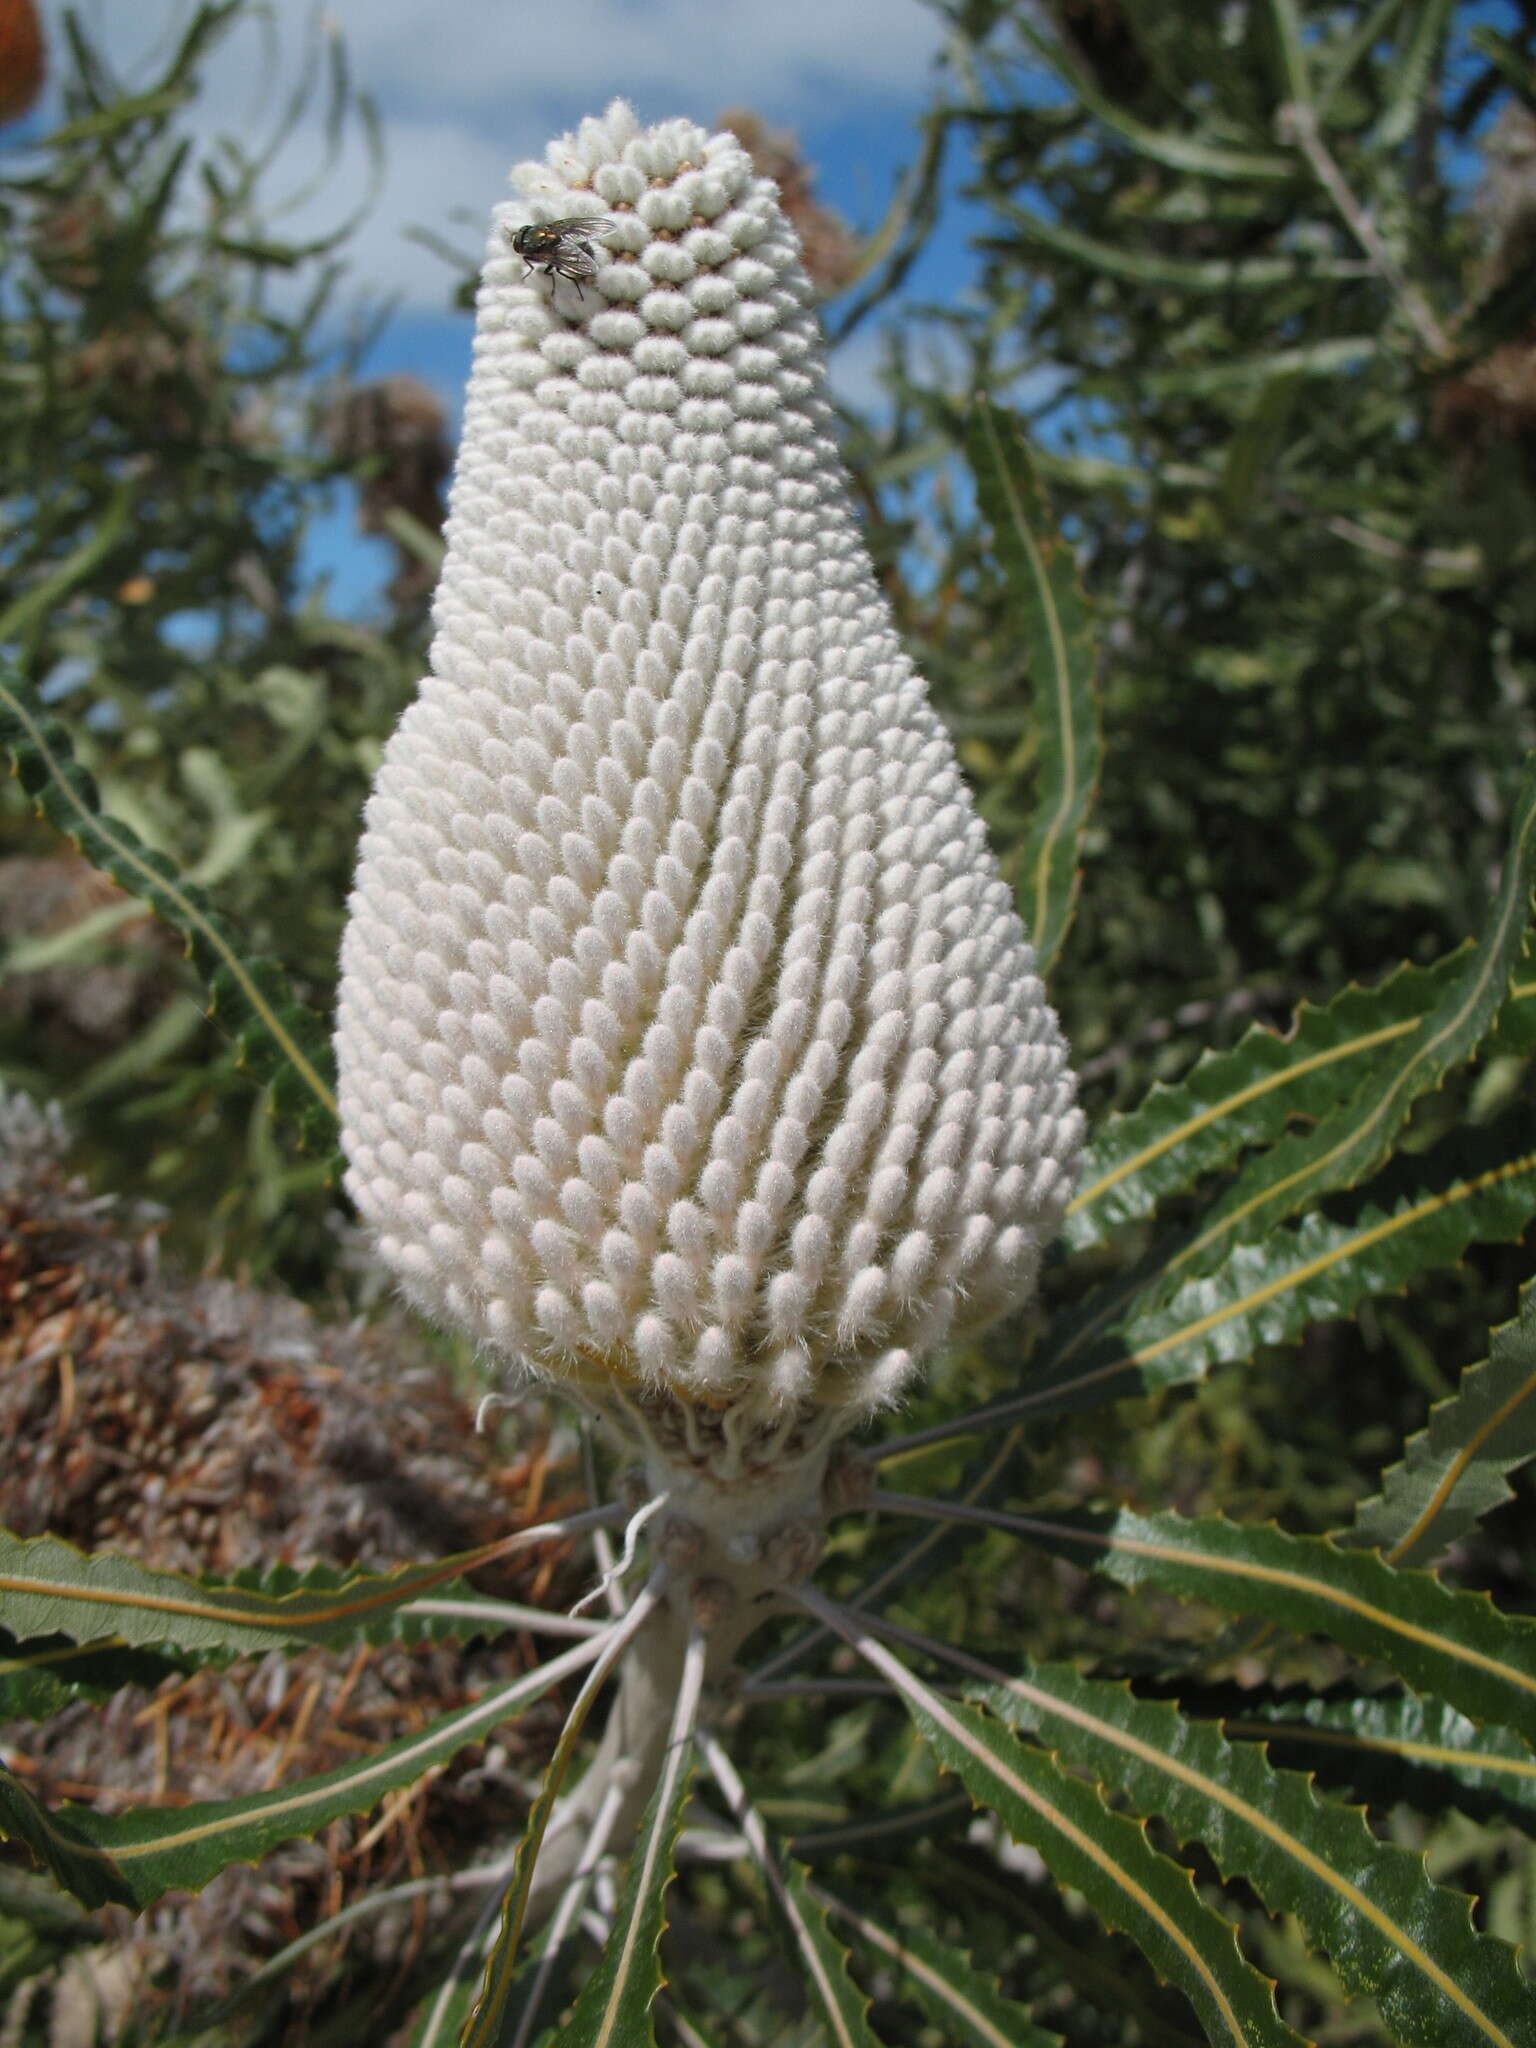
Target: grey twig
point(1298, 123)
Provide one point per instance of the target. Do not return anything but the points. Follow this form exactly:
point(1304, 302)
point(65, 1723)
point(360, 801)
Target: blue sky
point(465, 88)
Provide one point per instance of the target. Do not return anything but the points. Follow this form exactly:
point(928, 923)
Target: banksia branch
point(692, 1053)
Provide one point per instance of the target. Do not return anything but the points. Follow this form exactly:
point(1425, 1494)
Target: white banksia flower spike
point(692, 1052)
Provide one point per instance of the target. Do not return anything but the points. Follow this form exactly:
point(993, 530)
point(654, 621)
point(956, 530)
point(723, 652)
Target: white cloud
point(795, 58)
point(467, 87)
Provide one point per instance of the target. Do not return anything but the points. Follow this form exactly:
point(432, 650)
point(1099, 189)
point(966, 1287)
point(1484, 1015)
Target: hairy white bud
point(692, 1051)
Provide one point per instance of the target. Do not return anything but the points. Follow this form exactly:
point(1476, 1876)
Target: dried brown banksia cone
point(692, 1052)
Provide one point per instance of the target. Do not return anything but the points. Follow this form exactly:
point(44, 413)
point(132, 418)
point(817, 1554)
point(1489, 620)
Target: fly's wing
point(582, 230)
point(575, 260)
point(542, 237)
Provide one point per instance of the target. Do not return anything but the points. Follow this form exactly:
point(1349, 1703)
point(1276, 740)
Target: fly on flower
point(733, 1158)
point(561, 248)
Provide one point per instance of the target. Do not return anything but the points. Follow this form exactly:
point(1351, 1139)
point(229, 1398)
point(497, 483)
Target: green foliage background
point(1280, 371)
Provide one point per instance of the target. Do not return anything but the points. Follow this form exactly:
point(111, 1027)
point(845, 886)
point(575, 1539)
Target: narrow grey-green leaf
point(1292, 80)
point(1160, 145)
point(1196, 275)
point(1408, 81)
point(1369, 31)
point(1332, 359)
point(494, 2017)
point(1052, 615)
point(1513, 64)
point(884, 1832)
point(43, 598)
point(614, 2009)
point(980, 1484)
point(1248, 467)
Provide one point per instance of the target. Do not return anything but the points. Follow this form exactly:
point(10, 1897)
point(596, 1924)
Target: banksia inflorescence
point(692, 1052)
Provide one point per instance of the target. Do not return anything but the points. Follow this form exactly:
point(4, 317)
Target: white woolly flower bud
point(692, 1052)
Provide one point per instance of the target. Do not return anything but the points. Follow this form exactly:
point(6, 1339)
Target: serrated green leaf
point(1453, 1471)
point(1396, 1749)
point(1354, 1138)
point(1232, 1100)
point(37, 1678)
point(1514, 1029)
point(966, 2004)
point(77, 1862)
point(148, 1851)
point(1103, 1855)
point(50, 1588)
point(841, 2006)
point(1453, 1645)
point(1267, 1293)
point(1392, 1934)
point(614, 2009)
point(280, 1040)
point(1052, 613)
